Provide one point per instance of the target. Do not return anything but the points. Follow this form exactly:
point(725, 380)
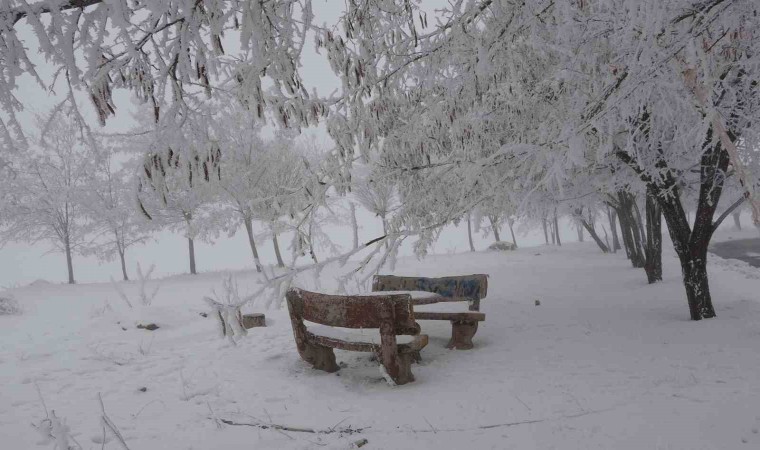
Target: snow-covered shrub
point(145, 296)
point(502, 246)
point(9, 306)
point(227, 309)
point(54, 429)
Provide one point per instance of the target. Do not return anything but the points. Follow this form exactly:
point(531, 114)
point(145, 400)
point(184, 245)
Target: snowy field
point(605, 361)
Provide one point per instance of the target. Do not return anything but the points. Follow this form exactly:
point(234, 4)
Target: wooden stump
point(253, 320)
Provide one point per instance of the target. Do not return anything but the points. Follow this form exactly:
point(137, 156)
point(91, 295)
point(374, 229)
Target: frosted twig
point(108, 423)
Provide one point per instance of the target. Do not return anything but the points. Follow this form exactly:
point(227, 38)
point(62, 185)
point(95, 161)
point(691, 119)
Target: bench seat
point(361, 342)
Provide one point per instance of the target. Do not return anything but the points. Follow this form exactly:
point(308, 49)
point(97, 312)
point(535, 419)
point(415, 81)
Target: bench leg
point(461, 335)
point(320, 357)
point(399, 367)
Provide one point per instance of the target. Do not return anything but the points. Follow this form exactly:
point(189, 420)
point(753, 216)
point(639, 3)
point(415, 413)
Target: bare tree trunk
point(191, 251)
point(354, 225)
point(546, 234)
point(311, 244)
point(556, 228)
point(385, 231)
point(612, 216)
point(630, 230)
point(511, 222)
point(123, 264)
point(469, 233)
point(639, 219)
point(738, 220)
point(277, 248)
point(495, 228)
point(579, 229)
point(653, 265)
point(249, 230)
point(552, 232)
point(625, 233)
point(69, 262)
point(591, 231)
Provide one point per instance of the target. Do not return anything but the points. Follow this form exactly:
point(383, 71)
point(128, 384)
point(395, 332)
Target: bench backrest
point(353, 311)
point(470, 286)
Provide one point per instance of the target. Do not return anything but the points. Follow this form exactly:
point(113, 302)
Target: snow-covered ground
point(605, 361)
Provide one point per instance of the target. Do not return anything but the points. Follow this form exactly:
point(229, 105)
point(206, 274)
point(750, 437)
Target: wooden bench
point(470, 288)
point(392, 315)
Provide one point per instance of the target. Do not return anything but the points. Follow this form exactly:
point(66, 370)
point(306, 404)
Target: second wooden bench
point(469, 288)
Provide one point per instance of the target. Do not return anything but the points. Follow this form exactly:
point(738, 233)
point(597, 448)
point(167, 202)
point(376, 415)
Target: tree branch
point(20, 13)
point(728, 212)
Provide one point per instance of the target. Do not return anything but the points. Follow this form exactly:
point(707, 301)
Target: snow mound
point(502, 246)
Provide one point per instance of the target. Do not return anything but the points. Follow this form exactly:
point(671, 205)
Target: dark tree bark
point(69, 261)
point(385, 230)
point(191, 251)
point(123, 264)
point(354, 225)
point(591, 231)
point(311, 244)
point(511, 222)
point(546, 233)
point(556, 228)
point(612, 217)
point(630, 230)
point(249, 230)
point(653, 265)
point(626, 235)
point(469, 233)
point(690, 244)
point(495, 228)
point(277, 254)
point(579, 229)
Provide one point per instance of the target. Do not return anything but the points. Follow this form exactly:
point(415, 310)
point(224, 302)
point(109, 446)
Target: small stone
point(538, 302)
point(203, 314)
point(149, 327)
point(143, 389)
point(124, 328)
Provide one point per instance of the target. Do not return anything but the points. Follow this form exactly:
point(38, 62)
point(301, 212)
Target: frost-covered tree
point(243, 172)
point(176, 189)
point(282, 191)
point(377, 195)
point(42, 198)
point(656, 88)
point(109, 201)
point(262, 180)
point(167, 53)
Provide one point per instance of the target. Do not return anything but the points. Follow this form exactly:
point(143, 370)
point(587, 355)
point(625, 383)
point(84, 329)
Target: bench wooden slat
point(457, 288)
point(419, 342)
point(453, 316)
